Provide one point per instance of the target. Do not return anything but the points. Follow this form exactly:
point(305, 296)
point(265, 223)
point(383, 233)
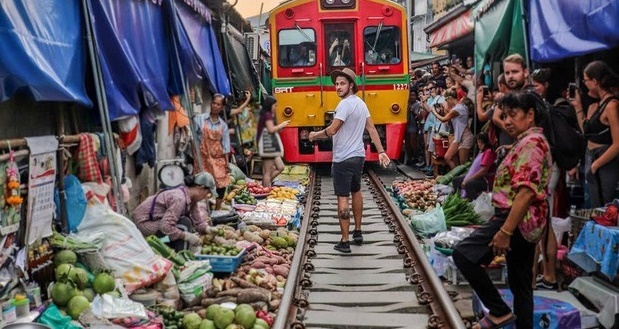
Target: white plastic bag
point(429, 223)
point(483, 206)
point(124, 251)
point(194, 279)
point(110, 307)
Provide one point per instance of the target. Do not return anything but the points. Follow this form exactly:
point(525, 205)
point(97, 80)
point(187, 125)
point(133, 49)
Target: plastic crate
point(223, 264)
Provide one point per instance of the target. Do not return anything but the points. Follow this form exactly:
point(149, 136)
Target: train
point(311, 38)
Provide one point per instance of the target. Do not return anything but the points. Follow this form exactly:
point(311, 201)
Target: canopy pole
point(237, 132)
point(185, 102)
point(103, 109)
point(62, 196)
point(525, 33)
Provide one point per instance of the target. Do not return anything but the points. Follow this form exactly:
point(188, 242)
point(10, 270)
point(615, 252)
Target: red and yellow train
point(310, 39)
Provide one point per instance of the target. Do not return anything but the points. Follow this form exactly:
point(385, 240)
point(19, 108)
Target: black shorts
point(347, 176)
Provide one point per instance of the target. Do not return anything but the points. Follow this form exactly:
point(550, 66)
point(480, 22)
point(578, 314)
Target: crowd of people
point(514, 162)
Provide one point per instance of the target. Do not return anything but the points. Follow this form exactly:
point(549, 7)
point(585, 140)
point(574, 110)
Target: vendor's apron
point(213, 156)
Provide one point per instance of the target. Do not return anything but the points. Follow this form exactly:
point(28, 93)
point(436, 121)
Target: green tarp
point(499, 32)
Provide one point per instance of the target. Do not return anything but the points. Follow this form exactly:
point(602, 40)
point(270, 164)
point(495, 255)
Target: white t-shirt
point(348, 142)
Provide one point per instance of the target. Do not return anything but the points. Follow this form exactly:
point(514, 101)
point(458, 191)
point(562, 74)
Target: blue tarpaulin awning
point(196, 39)
point(42, 50)
point(133, 52)
point(567, 28)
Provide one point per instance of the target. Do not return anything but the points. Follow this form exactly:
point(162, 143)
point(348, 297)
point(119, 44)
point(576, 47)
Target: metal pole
point(526, 38)
point(62, 196)
point(103, 108)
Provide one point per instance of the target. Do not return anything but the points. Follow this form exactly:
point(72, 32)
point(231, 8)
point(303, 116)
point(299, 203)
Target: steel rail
point(287, 309)
point(442, 306)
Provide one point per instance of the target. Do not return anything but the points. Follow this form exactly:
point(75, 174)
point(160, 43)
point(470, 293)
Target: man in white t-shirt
point(351, 118)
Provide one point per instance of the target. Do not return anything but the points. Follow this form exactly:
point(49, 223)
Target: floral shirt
point(528, 164)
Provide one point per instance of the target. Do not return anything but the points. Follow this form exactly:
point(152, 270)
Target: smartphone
point(486, 91)
point(571, 90)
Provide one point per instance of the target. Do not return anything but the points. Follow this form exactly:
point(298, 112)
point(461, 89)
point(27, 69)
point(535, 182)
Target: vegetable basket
point(223, 264)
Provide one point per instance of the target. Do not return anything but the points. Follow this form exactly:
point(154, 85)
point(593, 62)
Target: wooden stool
point(436, 163)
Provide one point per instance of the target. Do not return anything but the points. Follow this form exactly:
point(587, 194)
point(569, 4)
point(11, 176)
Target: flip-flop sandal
point(486, 323)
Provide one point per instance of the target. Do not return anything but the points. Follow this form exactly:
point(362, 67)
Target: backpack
point(567, 142)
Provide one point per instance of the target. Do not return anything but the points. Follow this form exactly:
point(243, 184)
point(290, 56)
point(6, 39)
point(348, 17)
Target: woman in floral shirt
point(521, 211)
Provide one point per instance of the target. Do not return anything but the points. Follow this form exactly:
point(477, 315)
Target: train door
point(339, 52)
point(339, 46)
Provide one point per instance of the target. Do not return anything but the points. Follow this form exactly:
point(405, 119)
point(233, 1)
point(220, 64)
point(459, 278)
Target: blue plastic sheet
point(133, 51)
point(196, 36)
point(568, 28)
point(42, 50)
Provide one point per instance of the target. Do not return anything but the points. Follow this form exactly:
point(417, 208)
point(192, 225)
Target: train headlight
point(330, 2)
point(395, 108)
point(346, 1)
point(288, 111)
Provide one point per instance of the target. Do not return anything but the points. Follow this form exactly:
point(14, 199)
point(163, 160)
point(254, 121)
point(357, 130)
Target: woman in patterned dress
point(521, 212)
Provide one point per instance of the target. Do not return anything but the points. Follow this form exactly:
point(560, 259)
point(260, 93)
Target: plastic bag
point(561, 226)
point(483, 206)
point(429, 223)
point(168, 291)
point(52, 318)
point(125, 251)
point(110, 307)
point(75, 202)
point(194, 279)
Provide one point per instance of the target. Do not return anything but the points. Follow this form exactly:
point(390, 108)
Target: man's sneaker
point(543, 284)
point(420, 164)
point(357, 236)
point(343, 246)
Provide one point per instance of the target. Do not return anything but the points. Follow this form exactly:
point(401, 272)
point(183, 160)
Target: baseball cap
point(205, 179)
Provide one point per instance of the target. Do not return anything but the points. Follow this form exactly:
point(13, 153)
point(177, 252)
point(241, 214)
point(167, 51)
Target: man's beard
point(517, 86)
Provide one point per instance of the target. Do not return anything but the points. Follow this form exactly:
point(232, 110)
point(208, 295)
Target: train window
point(297, 47)
point(382, 45)
point(339, 44)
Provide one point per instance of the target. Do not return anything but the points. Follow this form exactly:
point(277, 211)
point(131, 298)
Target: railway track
point(385, 283)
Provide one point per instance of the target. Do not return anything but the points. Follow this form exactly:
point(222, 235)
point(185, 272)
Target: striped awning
point(456, 28)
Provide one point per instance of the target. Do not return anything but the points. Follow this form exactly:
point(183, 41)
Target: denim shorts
point(347, 176)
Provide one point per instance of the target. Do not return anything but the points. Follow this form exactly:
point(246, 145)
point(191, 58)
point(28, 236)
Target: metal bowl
point(26, 326)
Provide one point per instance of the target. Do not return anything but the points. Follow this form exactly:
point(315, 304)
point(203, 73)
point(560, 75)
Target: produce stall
point(439, 215)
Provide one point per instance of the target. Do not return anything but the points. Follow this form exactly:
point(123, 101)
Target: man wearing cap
point(159, 214)
point(351, 118)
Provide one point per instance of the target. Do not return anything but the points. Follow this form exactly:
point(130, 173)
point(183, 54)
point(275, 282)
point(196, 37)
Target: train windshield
point(339, 45)
point(297, 47)
point(382, 45)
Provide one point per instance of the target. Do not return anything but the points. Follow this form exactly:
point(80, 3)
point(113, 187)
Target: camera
point(571, 90)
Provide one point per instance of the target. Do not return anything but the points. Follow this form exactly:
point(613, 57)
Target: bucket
point(441, 146)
